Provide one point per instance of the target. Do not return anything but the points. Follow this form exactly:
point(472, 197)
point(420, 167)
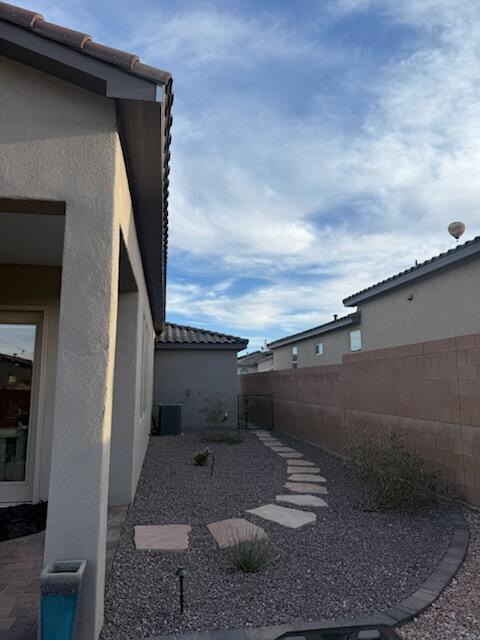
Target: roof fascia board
point(468, 252)
point(75, 67)
point(311, 333)
point(197, 347)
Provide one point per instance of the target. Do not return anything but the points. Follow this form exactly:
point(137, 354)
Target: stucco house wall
point(335, 345)
point(265, 365)
point(444, 304)
point(60, 143)
point(38, 288)
point(193, 378)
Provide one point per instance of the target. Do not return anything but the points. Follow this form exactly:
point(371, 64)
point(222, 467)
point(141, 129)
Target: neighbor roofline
point(208, 346)
point(143, 110)
point(452, 257)
point(335, 325)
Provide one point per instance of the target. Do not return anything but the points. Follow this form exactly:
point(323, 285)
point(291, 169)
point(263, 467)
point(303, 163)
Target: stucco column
point(78, 494)
point(125, 401)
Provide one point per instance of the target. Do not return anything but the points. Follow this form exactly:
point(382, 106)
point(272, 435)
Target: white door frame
point(39, 313)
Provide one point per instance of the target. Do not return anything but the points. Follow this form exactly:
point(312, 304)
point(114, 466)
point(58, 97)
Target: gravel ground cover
point(349, 563)
point(456, 613)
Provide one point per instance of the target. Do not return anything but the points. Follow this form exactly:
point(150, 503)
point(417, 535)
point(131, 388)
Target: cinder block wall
point(430, 392)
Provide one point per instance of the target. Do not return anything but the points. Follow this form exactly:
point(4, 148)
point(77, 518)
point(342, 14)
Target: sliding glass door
point(19, 360)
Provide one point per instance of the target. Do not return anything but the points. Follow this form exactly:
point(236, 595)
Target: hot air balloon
point(456, 229)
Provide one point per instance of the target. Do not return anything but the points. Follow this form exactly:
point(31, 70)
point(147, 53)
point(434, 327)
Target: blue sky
point(318, 145)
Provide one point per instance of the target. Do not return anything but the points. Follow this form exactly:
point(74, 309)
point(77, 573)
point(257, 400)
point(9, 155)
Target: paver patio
point(21, 561)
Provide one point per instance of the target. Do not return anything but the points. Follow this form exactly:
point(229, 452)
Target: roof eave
point(312, 333)
point(201, 346)
point(406, 278)
point(143, 111)
point(73, 66)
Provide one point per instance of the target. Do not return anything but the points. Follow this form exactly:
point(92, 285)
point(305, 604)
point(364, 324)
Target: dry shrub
point(392, 476)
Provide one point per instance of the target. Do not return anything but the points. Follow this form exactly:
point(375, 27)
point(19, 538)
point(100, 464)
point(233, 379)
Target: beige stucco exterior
point(60, 143)
point(444, 304)
point(335, 345)
point(199, 380)
point(265, 365)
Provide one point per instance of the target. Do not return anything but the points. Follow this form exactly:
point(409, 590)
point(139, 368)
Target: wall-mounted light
point(410, 297)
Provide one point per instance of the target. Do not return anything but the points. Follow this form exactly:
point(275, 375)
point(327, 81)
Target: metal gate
point(255, 411)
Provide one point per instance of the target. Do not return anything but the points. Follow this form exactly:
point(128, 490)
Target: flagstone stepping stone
point(293, 518)
point(295, 469)
point(272, 443)
point(234, 530)
point(306, 487)
point(300, 463)
point(302, 500)
point(163, 537)
point(290, 455)
point(282, 449)
point(306, 477)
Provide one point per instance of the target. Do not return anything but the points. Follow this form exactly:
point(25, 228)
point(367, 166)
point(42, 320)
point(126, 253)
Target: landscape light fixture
point(180, 572)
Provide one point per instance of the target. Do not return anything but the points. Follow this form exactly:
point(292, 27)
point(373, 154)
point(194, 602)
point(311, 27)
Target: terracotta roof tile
point(36, 23)
point(182, 334)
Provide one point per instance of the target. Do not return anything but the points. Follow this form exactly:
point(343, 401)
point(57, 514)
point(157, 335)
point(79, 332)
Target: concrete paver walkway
point(306, 477)
point(293, 518)
point(230, 532)
point(306, 487)
point(295, 469)
point(303, 500)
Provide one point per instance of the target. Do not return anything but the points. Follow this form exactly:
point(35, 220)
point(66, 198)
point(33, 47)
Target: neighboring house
point(325, 344)
point(255, 362)
point(197, 369)
point(84, 163)
point(436, 299)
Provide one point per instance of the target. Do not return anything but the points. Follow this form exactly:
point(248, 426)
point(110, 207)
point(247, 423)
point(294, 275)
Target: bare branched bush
point(392, 476)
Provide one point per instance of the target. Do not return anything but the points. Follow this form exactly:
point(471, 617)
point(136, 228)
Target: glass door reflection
point(17, 352)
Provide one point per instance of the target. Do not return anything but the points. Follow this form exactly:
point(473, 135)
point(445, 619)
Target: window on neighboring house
point(319, 349)
point(295, 357)
point(356, 340)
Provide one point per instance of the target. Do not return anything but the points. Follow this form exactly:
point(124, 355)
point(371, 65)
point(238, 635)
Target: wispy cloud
point(258, 186)
point(318, 150)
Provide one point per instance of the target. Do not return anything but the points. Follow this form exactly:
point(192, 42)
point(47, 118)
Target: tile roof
point(182, 334)
point(251, 359)
point(35, 22)
point(338, 323)
point(461, 252)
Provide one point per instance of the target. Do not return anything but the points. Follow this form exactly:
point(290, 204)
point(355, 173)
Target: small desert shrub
point(392, 476)
point(200, 459)
point(226, 438)
point(250, 555)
